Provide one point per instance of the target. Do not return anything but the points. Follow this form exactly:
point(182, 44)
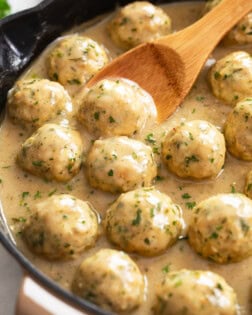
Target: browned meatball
point(110, 279)
point(194, 292)
point(61, 227)
point(221, 228)
point(53, 152)
point(120, 164)
point(138, 22)
point(33, 102)
point(144, 221)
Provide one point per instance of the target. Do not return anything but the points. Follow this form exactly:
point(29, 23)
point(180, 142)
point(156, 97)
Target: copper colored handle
point(33, 299)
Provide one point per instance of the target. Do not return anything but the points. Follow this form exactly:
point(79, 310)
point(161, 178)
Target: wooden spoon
point(168, 67)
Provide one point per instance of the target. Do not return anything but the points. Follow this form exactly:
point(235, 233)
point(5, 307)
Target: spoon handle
point(208, 31)
point(194, 43)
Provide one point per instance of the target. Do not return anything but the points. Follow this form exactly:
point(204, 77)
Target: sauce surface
point(19, 190)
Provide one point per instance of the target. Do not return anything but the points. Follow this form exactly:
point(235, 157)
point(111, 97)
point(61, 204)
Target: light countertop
point(11, 276)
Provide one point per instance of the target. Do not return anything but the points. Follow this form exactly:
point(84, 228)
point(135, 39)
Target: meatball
point(221, 228)
point(110, 279)
point(138, 22)
point(53, 152)
point(144, 221)
point(248, 185)
point(194, 149)
point(231, 77)
point(238, 130)
point(116, 107)
point(61, 227)
point(119, 164)
point(75, 59)
point(194, 292)
point(32, 102)
point(241, 33)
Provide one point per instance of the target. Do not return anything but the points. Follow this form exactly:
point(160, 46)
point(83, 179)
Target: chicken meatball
point(238, 130)
point(144, 221)
point(231, 77)
point(119, 164)
point(32, 102)
point(194, 149)
point(221, 228)
point(61, 227)
point(53, 152)
point(75, 59)
point(110, 279)
point(194, 292)
point(115, 107)
point(138, 22)
point(241, 33)
point(248, 185)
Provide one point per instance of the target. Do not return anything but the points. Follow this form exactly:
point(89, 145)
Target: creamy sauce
point(200, 104)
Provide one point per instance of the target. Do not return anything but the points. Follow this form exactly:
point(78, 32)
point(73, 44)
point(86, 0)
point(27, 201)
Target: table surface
point(11, 276)
point(10, 271)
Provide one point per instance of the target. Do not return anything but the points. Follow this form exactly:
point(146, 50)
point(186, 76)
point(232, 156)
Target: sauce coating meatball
point(248, 185)
point(138, 22)
point(110, 279)
point(61, 227)
point(241, 33)
point(231, 77)
point(221, 228)
point(75, 59)
point(238, 130)
point(32, 102)
point(53, 152)
point(116, 107)
point(195, 292)
point(194, 149)
point(144, 221)
point(120, 164)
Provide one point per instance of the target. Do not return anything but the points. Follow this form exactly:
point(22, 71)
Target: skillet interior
point(23, 36)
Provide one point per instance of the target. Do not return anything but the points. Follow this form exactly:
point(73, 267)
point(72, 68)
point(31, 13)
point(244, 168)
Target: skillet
point(23, 36)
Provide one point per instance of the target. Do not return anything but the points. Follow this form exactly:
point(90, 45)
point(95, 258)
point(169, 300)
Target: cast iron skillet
point(22, 38)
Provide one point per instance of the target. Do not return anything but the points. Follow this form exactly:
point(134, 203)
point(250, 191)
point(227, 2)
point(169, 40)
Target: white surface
point(17, 5)
point(10, 272)
point(45, 301)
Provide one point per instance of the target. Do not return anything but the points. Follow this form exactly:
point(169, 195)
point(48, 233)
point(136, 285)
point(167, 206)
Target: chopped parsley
point(137, 219)
point(19, 220)
point(37, 195)
point(186, 196)
point(150, 138)
point(166, 268)
point(4, 8)
point(191, 205)
point(233, 190)
point(214, 235)
point(52, 192)
point(111, 119)
point(74, 82)
point(96, 115)
point(189, 159)
point(37, 163)
point(110, 173)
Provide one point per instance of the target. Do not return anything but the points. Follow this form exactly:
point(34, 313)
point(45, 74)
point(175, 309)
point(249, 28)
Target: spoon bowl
point(168, 67)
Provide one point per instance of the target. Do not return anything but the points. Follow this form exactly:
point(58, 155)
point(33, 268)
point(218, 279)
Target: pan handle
point(35, 299)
